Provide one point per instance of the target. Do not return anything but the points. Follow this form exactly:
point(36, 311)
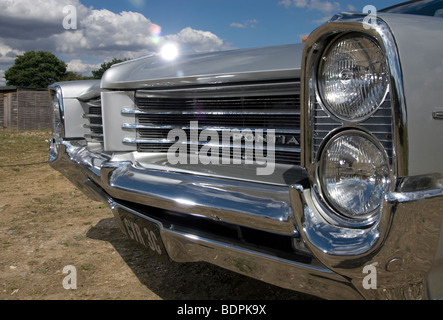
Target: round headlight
point(354, 174)
point(353, 77)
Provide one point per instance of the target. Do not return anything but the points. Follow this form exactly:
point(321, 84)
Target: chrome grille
point(95, 121)
point(379, 125)
point(252, 108)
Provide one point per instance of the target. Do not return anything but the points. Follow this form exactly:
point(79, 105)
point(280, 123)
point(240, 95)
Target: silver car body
point(402, 248)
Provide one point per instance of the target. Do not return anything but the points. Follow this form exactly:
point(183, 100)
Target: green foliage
point(74, 76)
point(35, 70)
point(98, 74)
point(40, 69)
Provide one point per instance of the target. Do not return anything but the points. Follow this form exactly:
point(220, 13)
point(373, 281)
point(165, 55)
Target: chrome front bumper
point(405, 248)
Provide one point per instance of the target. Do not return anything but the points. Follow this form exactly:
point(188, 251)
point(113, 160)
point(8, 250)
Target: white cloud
point(35, 19)
point(285, 3)
point(197, 40)
point(104, 32)
point(47, 10)
point(295, 3)
point(8, 54)
point(326, 7)
point(101, 34)
point(252, 23)
point(300, 3)
point(137, 3)
point(351, 7)
point(78, 66)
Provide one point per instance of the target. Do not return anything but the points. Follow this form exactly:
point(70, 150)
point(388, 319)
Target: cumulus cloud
point(197, 40)
point(7, 54)
point(79, 66)
point(34, 19)
point(104, 31)
point(47, 10)
point(100, 34)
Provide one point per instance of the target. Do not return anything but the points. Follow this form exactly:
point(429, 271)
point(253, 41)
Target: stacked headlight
point(353, 77)
point(354, 174)
point(353, 168)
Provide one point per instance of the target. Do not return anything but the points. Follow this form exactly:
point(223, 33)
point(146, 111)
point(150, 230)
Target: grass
point(23, 148)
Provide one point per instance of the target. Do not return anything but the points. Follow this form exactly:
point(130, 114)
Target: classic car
point(315, 167)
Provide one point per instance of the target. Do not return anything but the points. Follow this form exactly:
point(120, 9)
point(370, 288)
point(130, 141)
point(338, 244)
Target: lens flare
point(169, 51)
point(156, 32)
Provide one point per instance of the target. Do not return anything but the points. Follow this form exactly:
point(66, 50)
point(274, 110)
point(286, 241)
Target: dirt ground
point(46, 224)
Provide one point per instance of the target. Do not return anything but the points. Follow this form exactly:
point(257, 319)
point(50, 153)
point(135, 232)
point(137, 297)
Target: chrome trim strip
point(200, 143)
point(146, 141)
point(246, 90)
point(90, 116)
point(139, 126)
point(94, 135)
point(437, 115)
point(402, 197)
point(215, 79)
point(214, 112)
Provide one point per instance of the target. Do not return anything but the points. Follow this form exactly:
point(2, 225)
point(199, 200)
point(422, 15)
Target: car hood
point(81, 89)
point(268, 63)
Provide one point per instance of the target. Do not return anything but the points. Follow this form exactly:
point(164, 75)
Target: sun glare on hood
point(169, 52)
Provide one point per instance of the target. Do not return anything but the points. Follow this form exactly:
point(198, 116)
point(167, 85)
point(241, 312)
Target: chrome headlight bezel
point(58, 120)
point(313, 140)
point(57, 110)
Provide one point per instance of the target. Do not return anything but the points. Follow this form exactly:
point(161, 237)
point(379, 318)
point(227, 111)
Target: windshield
point(424, 8)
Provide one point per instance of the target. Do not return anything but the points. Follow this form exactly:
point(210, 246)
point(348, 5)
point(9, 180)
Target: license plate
point(144, 232)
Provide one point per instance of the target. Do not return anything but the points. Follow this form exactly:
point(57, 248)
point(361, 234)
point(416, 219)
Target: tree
point(74, 76)
point(98, 74)
point(35, 70)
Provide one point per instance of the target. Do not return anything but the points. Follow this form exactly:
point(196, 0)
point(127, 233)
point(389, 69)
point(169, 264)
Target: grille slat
point(379, 125)
point(95, 120)
point(232, 113)
point(214, 145)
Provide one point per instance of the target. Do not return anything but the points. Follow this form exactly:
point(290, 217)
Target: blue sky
point(264, 22)
point(133, 28)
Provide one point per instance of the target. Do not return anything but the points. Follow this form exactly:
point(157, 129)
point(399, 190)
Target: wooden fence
point(25, 109)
